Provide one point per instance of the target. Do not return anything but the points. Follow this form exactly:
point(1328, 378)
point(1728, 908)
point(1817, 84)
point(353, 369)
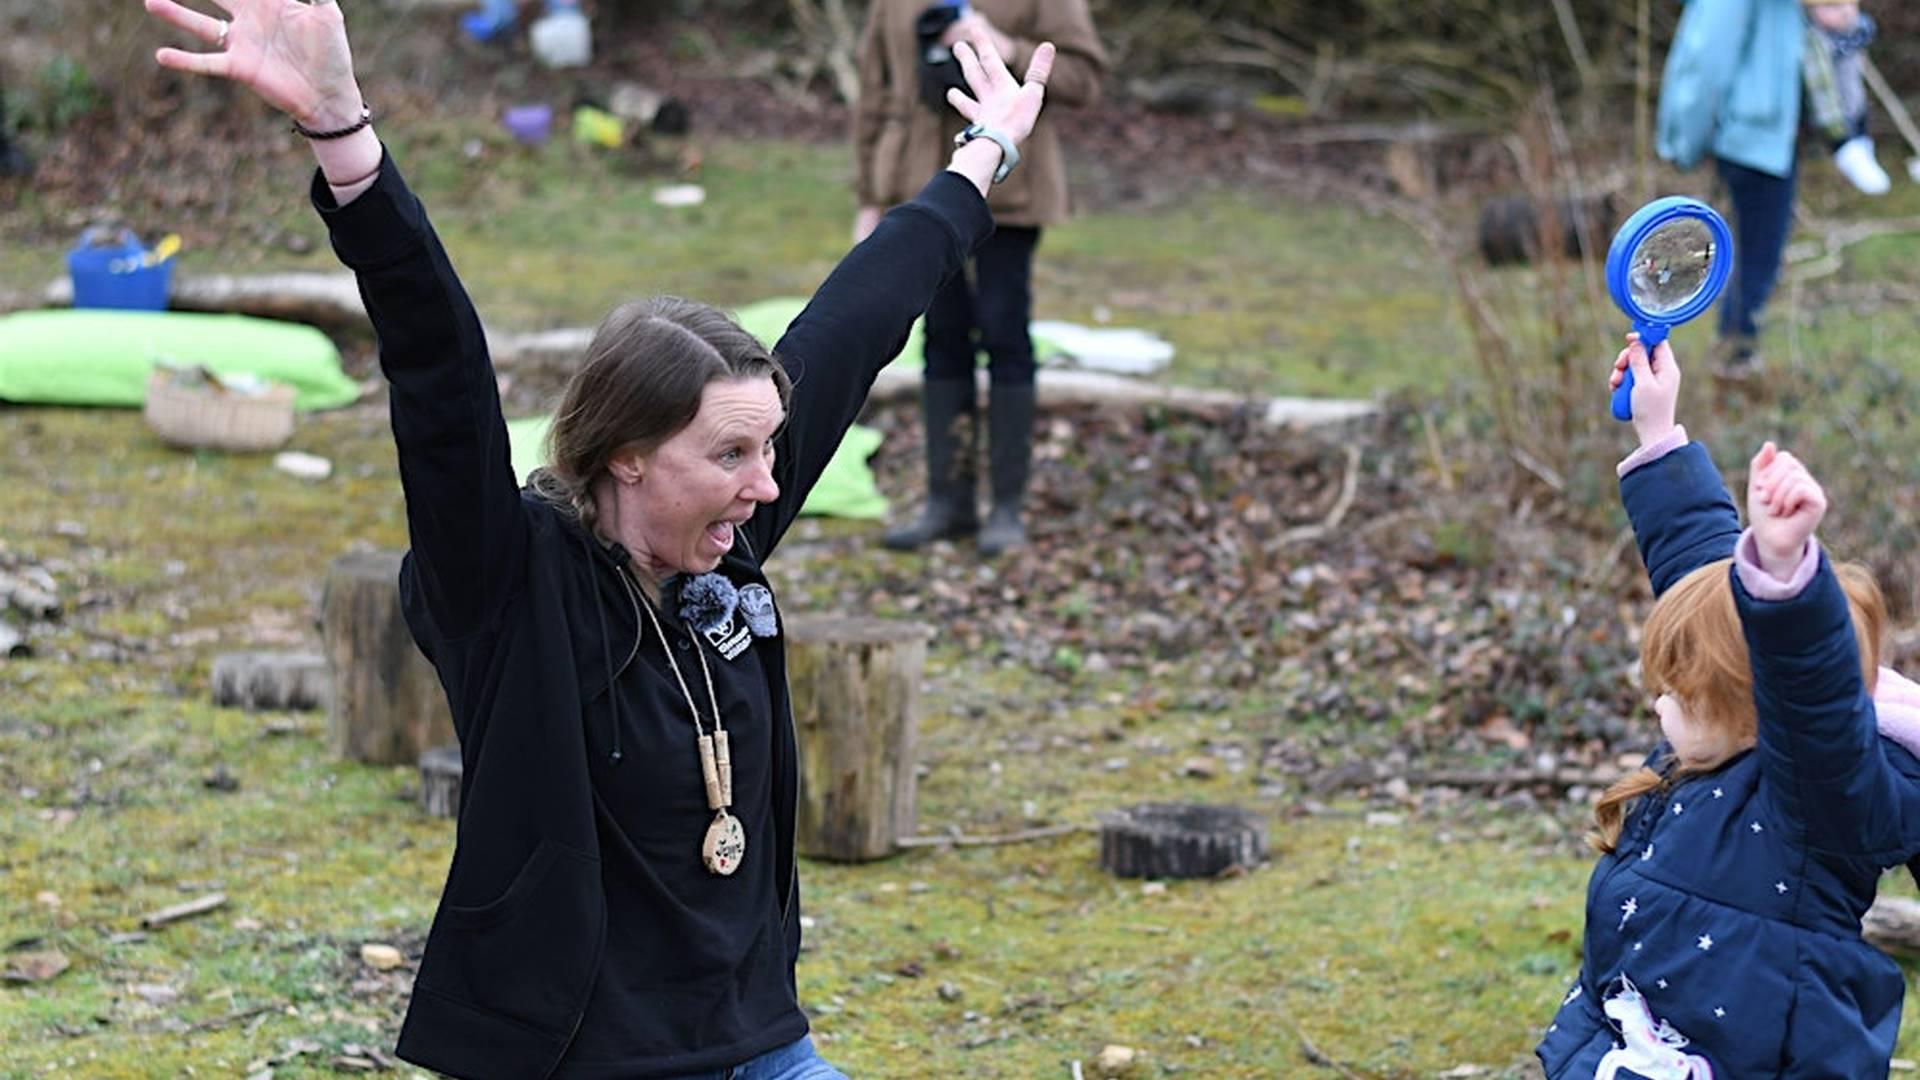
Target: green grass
point(1348, 938)
point(1398, 951)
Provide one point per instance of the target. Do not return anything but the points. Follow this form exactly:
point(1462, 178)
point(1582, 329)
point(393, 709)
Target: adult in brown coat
point(900, 134)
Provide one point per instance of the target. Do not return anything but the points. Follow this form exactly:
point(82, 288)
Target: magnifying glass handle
point(1650, 336)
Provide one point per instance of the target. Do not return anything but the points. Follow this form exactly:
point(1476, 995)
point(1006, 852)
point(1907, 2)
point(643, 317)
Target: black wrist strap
point(366, 117)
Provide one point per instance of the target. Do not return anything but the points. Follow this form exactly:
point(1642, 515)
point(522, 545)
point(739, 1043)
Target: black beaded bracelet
point(366, 117)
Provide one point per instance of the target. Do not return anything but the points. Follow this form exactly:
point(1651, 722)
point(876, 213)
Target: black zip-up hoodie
point(529, 624)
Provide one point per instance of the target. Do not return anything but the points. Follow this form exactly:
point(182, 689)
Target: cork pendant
point(726, 844)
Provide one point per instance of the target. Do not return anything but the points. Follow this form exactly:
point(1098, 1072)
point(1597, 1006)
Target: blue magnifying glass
point(1667, 264)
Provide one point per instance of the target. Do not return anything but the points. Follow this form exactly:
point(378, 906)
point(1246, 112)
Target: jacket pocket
point(524, 883)
point(1573, 1046)
point(529, 954)
point(889, 163)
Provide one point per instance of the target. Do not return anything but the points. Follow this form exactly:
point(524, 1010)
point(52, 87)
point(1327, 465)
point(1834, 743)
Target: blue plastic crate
point(113, 274)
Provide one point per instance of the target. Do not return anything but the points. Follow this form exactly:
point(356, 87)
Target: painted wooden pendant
point(726, 844)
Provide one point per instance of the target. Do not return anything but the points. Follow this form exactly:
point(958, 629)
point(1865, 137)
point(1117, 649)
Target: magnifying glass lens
point(1670, 266)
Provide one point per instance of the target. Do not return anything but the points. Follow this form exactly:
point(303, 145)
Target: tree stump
point(1892, 925)
point(1518, 229)
point(1181, 840)
point(271, 680)
point(440, 781)
point(856, 698)
point(385, 705)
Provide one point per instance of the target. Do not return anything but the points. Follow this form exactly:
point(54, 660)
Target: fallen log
point(270, 680)
point(1892, 925)
point(330, 301)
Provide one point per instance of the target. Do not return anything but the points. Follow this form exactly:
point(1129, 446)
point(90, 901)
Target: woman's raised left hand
point(999, 100)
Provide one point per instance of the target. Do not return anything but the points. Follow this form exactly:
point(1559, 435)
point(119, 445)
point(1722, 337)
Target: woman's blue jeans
point(794, 1061)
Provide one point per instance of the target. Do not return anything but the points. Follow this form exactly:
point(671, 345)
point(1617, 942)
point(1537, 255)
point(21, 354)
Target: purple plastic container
point(530, 124)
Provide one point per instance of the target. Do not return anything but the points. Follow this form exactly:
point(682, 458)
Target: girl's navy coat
point(1733, 902)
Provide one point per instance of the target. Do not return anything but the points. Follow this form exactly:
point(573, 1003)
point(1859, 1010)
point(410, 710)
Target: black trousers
point(989, 312)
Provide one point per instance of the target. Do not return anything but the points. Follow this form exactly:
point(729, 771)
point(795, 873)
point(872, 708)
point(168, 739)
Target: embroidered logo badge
point(710, 602)
point(728, 639)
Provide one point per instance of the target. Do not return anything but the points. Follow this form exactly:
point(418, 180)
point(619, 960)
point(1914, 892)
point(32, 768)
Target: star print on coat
point(1705, 943)
point(1627, 911)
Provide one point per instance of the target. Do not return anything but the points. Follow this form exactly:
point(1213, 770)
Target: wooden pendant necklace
point(726, 841)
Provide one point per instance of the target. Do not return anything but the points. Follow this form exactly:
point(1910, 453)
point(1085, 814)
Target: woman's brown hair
point(1694, 648)
point(645, 371)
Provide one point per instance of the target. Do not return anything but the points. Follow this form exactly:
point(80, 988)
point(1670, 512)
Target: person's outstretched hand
point(999, 100)
point(1656, 387)
point(865, 220)
point(1834, 18)
point(292, 53)
point(1784, 505)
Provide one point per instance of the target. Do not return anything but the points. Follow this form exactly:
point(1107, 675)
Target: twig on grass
point(1349, 485)
point(1022, 837)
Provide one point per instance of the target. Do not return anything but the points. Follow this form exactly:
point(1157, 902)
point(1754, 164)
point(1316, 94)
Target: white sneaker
point(1856, 162)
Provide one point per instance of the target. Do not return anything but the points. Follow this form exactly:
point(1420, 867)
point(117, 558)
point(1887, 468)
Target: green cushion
point(100, 357)
point(847, 488)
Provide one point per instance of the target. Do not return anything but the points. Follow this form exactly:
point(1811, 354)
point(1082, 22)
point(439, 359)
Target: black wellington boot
point(1010, 412)
point(953, 424)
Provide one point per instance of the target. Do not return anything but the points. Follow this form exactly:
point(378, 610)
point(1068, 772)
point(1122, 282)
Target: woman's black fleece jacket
point(529, 625)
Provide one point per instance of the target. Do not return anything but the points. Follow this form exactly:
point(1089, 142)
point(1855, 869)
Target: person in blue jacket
point(1723, 920)
point(1731, 91)
point(622, 900)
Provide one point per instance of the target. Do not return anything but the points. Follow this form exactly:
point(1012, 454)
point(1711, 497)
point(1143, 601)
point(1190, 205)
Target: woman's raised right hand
point(292, 53)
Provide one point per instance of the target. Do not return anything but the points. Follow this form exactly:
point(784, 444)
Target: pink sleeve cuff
point(1896, 706)
point(1764, 586)
point(1653, 451)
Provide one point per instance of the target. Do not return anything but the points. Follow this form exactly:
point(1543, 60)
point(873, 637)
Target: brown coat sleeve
point(869, 110)
point(1081, 60)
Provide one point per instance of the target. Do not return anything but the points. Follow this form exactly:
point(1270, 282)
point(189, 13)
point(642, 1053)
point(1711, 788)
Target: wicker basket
point(210, 417)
